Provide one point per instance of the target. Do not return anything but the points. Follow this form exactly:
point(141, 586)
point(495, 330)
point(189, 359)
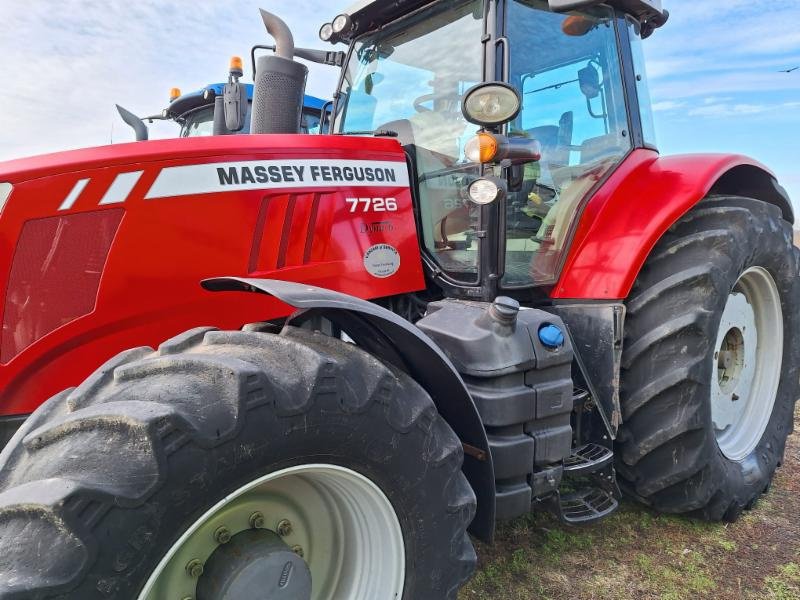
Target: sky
point(714, 69)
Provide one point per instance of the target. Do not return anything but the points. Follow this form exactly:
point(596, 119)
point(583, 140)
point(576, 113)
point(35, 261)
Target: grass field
point(638, 554)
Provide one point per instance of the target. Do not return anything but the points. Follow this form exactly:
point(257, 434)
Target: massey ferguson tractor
point(285, 366)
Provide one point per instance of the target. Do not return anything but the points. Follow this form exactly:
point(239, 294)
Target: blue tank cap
point(551, 336)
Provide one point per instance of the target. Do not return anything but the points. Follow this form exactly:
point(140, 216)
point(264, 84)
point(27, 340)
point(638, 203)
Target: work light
point(491, 104)
point(326, 32)
point(342, 24)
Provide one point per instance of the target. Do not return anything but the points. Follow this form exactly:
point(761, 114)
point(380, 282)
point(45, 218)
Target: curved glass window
point(567, 69)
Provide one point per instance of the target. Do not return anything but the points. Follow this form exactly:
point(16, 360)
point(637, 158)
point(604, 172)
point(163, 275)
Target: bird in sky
point(790, 70)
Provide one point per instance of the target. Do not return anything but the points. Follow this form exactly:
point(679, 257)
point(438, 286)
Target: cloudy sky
point(714, 70)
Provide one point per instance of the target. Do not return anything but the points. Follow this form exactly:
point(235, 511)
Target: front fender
point(384, 334)
point(627, 216)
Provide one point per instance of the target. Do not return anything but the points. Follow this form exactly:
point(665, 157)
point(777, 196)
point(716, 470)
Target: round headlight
point(342, 24)
point(483, 191)
point(326, 32)
point(489, 104)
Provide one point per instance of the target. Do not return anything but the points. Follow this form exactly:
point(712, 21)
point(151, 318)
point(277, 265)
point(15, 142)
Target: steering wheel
point(454, 100)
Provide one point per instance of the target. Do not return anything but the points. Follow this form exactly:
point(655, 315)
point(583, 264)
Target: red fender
point(627, 216)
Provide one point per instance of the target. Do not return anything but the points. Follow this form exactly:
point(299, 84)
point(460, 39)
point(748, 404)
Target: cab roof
point(196, 99)
point(372, 14)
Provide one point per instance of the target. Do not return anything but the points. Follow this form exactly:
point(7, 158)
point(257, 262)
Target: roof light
point(5, 192)
point(236, 67)
point(326, 32)
point(491, 104)
point(482, 148)
point(174, 94)
point(342, 24)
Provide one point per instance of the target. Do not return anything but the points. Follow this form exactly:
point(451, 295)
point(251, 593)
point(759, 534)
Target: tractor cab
point(195, 111)
point(512, 114)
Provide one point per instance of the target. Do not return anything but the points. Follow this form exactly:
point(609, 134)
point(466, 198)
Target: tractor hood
point(44, 165)
point(105, 248)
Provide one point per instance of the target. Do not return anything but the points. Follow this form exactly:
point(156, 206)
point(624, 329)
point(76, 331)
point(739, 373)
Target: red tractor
point(484, 294)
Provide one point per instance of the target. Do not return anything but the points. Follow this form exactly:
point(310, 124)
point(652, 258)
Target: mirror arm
point(322, 57)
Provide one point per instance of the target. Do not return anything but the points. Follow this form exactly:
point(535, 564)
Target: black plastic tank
point(516, 363)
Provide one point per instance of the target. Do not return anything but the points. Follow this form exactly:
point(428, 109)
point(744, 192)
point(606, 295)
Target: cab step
point(588, 459)
point(586, 506)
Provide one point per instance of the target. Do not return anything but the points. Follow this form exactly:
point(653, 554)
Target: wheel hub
point(255, 564)
point(333, 526)
point(747, 360)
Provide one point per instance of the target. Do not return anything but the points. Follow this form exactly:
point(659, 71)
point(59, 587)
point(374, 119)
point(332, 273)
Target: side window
point(568, 71)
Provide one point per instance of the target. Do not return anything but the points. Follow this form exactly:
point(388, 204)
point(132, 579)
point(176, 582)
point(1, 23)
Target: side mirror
point(234, 97)
point(589, 80)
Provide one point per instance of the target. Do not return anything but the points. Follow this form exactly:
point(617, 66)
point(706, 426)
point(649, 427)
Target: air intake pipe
point(280, 83)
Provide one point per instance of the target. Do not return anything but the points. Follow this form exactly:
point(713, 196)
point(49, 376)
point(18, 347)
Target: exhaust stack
point(138, 126)
point(280, 83)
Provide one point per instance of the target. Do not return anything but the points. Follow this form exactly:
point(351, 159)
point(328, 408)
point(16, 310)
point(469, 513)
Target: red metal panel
point(625, 219)
point(149, 289)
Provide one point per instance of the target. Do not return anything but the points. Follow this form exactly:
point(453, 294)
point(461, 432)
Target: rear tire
point(102, 482)
point(678, 450)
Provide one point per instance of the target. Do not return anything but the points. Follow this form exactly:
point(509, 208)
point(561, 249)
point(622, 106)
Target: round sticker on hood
point(382, 260)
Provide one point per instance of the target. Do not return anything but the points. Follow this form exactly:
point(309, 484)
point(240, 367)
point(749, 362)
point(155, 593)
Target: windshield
point(409, 78)
point(199, 122)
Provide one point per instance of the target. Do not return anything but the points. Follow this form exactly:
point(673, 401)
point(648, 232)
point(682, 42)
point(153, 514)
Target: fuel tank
point(516, 364)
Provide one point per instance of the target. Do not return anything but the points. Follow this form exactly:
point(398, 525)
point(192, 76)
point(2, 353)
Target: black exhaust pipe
point(280, 83)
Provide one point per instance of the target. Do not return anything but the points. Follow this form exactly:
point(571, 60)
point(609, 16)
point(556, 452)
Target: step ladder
point(592, 465)
point(586, 506)
point(588, 459)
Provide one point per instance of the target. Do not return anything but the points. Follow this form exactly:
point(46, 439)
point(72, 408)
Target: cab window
point(567, 69)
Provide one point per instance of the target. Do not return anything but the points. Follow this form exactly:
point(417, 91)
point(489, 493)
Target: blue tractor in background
point(220, 109)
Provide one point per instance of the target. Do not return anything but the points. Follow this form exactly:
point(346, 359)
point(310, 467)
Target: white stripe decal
point(73, 195)
point(121, 188)
point(277, 174)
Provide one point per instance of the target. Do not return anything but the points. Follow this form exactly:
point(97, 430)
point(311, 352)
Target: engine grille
point(55, 275)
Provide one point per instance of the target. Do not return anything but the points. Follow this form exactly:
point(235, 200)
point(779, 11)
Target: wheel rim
point(747, 363)
point(340, 522)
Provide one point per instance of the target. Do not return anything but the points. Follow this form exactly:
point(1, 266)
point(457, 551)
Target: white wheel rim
point(348, 531)
point(747, 363)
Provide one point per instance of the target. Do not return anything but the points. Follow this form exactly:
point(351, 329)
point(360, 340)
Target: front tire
point(138, 480)
point(711, 361)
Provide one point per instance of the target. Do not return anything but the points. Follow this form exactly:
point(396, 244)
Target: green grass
point(639, 554)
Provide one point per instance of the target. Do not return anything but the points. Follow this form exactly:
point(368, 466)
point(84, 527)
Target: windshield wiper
point(374, 133)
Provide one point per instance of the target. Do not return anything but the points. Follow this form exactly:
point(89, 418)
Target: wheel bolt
point(222, 535)
point(284, 528)
point(194, 568)
point(257, 521)
point(298, 550)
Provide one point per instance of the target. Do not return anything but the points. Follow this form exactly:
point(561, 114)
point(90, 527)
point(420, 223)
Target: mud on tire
point(668, 455)
point(102, 480)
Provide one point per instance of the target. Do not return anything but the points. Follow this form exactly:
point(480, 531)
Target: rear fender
point(384, 334)
point(647, 194)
